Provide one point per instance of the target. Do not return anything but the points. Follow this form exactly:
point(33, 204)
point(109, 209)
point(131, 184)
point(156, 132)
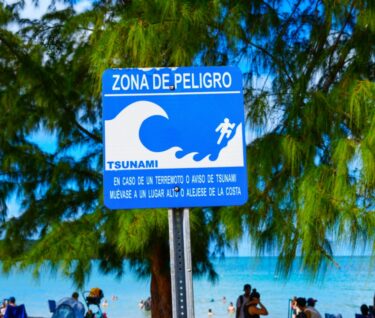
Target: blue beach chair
point(52, 306)
point(15, 312)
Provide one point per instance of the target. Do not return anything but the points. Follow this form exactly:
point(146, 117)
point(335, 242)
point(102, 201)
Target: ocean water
point(341, 291)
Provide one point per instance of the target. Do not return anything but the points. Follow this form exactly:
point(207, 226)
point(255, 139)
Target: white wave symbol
point(122, 142)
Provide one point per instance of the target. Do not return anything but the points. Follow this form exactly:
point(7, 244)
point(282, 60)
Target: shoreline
point(346, 288)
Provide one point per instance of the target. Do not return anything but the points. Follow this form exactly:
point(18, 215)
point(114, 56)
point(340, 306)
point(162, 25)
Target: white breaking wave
point(122, 142)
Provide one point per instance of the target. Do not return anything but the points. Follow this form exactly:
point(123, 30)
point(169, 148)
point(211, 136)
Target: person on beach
point(311, 307)
point(210, 313)
point(3, 307)
point(147, 304)
point(301, 307)
point(89, 314)
point(13, 310)
point(252, 307)
point(78, 306)
point(231, 308)
point(141, 304)
point(105, 303)
point(12, 301)
point(293, 307)
point(242, 300)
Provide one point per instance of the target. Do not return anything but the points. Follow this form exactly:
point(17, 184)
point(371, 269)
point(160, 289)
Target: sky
point(32, 12)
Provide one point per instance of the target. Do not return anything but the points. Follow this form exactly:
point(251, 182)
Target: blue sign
point(173, 137)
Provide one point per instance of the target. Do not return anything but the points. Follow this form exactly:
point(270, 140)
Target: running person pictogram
point(225, 129)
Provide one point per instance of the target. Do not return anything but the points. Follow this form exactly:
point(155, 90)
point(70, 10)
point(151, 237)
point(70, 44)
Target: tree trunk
point(161, 294)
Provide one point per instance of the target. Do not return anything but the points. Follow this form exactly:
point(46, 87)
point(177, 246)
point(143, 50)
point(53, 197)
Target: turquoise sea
point(341, 291)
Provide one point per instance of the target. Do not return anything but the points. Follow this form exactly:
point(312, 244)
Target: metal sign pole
point(181, 266)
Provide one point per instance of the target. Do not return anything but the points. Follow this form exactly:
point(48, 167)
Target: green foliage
point(311, 177)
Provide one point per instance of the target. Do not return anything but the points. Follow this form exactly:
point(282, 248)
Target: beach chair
point(52, 306)
point(15, 312)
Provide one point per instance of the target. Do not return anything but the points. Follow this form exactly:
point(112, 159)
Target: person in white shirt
point(3, 307)
point(242, 300)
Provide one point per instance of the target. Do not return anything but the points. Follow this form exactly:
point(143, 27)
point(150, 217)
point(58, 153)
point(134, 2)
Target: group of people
point(231, 309)
point(93, 298)
point(367, 311)
point(302, 308)
point(9, 309)
point(249, 305)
